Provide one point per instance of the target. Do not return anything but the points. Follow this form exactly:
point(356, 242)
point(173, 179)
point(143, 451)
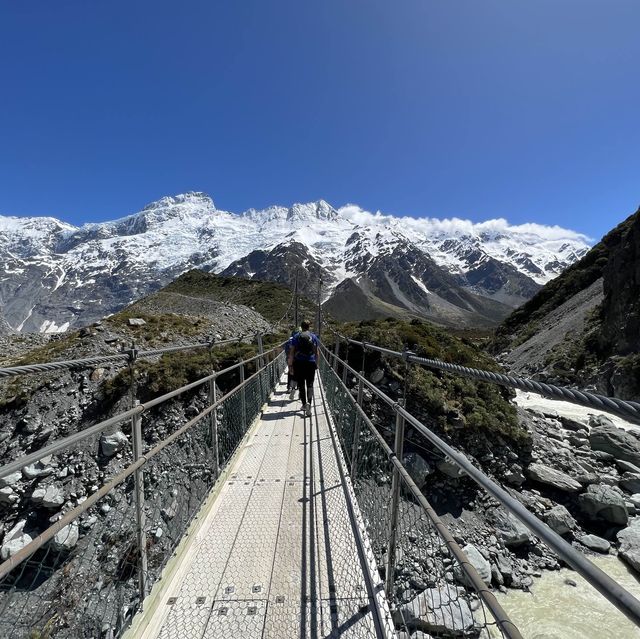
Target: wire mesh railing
point(100, 553)
point(430, 584)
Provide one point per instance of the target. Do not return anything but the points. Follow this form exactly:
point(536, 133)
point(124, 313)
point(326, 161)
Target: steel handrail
point(8, 565)
point(75, 438)
point(601, 581)
point(502, 619)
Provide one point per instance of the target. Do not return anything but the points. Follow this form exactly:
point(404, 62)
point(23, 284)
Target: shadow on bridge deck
point(279, 551)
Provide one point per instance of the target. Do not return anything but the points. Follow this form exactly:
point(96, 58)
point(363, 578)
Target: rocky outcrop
point(602, 502)
point(552, 477)
point(559, 519)
point(629, 540)
point(438, 610)
point(608, 438)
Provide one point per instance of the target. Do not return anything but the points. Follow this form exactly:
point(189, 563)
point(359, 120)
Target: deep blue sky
point(476, 109)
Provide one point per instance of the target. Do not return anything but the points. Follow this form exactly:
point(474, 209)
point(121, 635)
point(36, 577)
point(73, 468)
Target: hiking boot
point(307, 410)
point(292, 394)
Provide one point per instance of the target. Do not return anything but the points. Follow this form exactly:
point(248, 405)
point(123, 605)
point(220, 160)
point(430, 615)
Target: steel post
point(356, 434)
point(260, 350)
point(213, 398)
point(336, 353)
point(395, 503)
point(136, 434)
point(243, 395)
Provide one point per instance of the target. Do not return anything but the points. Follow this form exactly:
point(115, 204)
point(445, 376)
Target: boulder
point(7, 496)
point(449, 469)
point(438, 610)
point(136, 321)
point(97, 374)
point(552, 477)
point(572, 424)
point(16, 539)
point(630, 482)
point(629, 540)
point(626, 467)
point(377, 376)
point(10, 480)
point(111, 444)
point(53, 497)
point(559, 519)
point(610, 439)
point(603, 502)
point(15, 545)
point(511, 530)
point(594, 542)
point(418, 467)
point(37, 469)
point(476, 559)
point(66, 539)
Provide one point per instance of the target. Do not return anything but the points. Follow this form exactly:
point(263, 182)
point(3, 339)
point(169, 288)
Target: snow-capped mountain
point(55, 275)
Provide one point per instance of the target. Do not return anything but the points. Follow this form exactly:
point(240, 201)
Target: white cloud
point(456, 226)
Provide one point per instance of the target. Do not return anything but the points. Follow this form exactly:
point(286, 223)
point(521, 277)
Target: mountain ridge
point(58, 275)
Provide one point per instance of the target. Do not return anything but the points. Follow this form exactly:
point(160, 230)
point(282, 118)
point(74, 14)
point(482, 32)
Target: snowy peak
point(58, 275)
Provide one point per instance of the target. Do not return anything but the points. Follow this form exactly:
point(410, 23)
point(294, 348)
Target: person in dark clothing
point(303, 356)
point(291, 380)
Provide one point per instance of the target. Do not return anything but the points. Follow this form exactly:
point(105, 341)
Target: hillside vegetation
point(454, 405)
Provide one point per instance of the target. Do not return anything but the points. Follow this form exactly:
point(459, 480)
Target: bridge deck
point(277, 554)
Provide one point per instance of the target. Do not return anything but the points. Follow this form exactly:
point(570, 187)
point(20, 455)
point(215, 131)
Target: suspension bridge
point(252, 520)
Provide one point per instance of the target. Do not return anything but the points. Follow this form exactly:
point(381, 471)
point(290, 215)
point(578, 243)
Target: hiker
point(303, 356)
point(291, 380)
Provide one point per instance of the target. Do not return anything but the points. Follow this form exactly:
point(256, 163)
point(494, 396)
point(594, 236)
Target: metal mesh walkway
point(280, 551)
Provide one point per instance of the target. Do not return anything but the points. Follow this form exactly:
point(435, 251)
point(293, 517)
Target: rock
point(595, 543)
point(514, 476)
point(570, 582)
point(505, 567)
point(37, 469)
point(377, 376)
point(449, 469)
point(38, 494)
point(559, 519)
point(552, 477)
point(10, 480)
point(603, 502)
point(572, 424)
point(418, 468)
point(608, 438)
point(437, 610)
point(170, 511)
point(7, 496)
point(66, 539)
point(111, 444)
point(629, 540)
point(600, 455)
point(626, 467)
point(136, 321)
point(477, 561)
point(511, 530)
point(16, 539)
point(15, 545)
point(97, 375)
point(53, 497)
point(630, 482)
point(635, 500)
point(496, 576)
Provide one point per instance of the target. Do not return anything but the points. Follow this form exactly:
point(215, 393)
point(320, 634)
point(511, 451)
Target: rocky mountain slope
point(56, 276)
point(584, 327)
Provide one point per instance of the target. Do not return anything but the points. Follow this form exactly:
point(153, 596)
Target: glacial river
point(555, 610)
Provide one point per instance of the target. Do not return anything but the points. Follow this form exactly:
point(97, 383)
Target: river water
point(555, 610)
